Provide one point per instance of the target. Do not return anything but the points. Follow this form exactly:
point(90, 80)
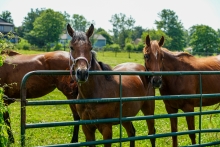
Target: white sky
point(145, 12)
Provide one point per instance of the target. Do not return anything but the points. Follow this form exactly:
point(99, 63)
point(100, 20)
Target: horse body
point(186, 62)
point(17, 65)
point(106, 86)
point(183, 84)
point(99, 87)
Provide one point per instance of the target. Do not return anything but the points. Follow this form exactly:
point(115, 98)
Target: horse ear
point(90, 31)
point(70, 30)
point(148, 40)
point(161, 41)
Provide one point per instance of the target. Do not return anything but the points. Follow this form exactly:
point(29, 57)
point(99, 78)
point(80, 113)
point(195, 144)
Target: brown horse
point(100, 86)
point(161, 59)
point(17, 65)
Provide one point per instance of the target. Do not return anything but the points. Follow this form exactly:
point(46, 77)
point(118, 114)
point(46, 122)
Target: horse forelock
point(155, 48)
point(79, 36)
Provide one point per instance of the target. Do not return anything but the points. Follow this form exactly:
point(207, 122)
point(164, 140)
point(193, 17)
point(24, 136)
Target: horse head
point(153, 57)
point(80, 53)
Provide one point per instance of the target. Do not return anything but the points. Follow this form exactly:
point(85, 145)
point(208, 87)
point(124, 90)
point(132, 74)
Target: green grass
point(62, 135)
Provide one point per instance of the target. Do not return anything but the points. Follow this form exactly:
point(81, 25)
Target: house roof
point(99, 37)
point(4, 22)
point(137, 41)
point(63, 36)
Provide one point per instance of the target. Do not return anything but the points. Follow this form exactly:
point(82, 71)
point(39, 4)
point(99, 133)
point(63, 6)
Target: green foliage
point(122, 27)
point(137, 32)
point(105, 34)
point(79, 22)
point(139, 47)
point(47, 27)
point(156, 35)
point(58, 46)
point(115, 48)
point(204, 39)
point(6, 15)
point(67, 18)
point(170, 24)
point(4, 43)
point(28, 23)
point(23, 44)
point(3, 130)
point(129, 47)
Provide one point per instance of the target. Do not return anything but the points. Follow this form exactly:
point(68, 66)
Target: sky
point(144, 12)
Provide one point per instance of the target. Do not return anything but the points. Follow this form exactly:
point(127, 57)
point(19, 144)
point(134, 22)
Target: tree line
point(43, 26)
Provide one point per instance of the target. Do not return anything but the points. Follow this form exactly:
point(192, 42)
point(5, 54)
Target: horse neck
point(95, 85)
point(172, 62)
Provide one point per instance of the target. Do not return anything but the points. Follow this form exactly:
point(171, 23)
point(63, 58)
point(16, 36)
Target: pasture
point(62, 135)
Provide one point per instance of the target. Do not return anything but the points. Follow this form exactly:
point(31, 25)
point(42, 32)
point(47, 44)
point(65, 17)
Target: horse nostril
point(156, 82)
point(82, 75)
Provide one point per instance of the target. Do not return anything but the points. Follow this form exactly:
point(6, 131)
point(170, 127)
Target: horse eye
point(71, 47)
point(146, 56)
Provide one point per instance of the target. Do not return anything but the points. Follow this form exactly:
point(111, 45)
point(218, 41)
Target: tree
point(6, 15)
point(28, 23)
point(204, 39)
point(105, 34)
point(4, 43)
point(20, 31)
point(170, 24)
point(129, 47)
point(79, 22)
point(48, 27)
point(139, 46)
point(156, 35)
point(67, 17)
point(218, 31)
point(137, 32)
point(122, 27)
point(115, 48)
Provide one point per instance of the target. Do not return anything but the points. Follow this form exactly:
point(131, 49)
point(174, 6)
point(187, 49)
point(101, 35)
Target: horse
point(158, 58)
point(107, 86)
point(16, 65)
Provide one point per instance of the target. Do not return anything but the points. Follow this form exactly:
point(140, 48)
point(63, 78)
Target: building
point(6, 27)
point(100, 41)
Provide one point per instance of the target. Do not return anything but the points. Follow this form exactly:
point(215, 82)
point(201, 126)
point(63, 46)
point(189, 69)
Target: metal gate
point(25, 103)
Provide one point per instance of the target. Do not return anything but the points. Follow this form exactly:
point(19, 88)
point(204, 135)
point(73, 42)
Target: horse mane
point(178, 54)
point(9, 52)
point(103, 66)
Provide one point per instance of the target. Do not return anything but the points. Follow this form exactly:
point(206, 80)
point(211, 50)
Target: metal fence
point(25, 103)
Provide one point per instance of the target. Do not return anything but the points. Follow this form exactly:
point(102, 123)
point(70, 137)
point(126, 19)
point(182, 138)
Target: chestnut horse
point(100, 86)
point(17, 65)
point(161, 59)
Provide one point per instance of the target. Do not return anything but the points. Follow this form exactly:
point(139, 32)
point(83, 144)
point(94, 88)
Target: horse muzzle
point(156, 81)
point(81, 75)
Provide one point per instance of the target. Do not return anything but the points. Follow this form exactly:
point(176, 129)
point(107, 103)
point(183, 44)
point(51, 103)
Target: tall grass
point(62, 135)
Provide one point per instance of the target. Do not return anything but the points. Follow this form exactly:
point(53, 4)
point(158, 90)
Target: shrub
point(57, 47)
point(23, 44)
point(4, 43)
point(3, 129)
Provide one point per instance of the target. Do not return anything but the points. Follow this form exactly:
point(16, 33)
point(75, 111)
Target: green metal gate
point(25, 103)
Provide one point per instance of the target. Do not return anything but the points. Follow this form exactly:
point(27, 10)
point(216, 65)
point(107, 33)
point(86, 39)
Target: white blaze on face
point(154, 47)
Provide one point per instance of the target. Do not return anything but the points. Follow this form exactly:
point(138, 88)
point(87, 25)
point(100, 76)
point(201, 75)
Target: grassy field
point(62, 135)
